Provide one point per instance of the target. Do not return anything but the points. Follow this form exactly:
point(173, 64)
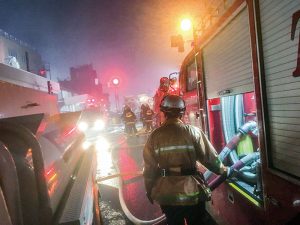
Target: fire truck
point(46, 175)
point(241, 86)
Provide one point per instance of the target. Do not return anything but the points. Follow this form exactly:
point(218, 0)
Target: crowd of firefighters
point(148, 117)
point(129, 118)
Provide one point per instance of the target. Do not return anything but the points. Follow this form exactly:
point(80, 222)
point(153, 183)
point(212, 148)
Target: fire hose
point(237, 166)
point(232, 144)
point(125, 209)
point(245, 163)
point(231, 121)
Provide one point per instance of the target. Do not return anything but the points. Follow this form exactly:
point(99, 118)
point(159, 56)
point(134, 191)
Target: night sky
point(125, 38)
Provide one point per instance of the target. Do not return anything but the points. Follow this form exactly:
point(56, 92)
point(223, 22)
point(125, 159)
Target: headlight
point(99, 124)
point(86, 145)
point(82, 126)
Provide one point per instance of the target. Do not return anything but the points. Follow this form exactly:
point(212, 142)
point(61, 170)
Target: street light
point(116, 82)
point(177, 40)
point(186, 24)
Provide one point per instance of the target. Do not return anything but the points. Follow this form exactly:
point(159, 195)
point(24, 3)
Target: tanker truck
point(46, 175)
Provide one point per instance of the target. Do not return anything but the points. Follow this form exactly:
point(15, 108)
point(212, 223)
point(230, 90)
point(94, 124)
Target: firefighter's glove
point(149, 198)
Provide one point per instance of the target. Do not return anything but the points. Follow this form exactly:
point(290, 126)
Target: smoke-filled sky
point(125, 38)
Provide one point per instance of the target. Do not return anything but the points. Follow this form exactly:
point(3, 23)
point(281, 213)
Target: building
point(19, 54)
point(27, 63)
point(86, 88)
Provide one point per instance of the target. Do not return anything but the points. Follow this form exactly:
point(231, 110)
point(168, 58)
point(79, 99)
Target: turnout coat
point(170, 151)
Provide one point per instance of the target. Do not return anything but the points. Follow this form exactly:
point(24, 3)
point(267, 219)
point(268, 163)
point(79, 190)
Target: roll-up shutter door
point(282, 88)
point(227, 59)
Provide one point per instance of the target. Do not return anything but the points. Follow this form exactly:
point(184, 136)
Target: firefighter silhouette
point(142, 114)
point(148, 118)
point(129, 119)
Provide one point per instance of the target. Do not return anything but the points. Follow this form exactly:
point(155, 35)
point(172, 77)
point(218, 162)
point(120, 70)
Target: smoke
point(132, 37)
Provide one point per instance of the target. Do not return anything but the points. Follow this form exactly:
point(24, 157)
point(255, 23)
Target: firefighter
point(129, 120)
point(148, 118)
point(142, 114)
point(171, 155)
point(161, 92)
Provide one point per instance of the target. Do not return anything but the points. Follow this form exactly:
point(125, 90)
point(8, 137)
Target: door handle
point(29, 105)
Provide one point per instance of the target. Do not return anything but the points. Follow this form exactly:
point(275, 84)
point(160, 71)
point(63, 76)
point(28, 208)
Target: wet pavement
point(111, 211)
point(130, 161)
point(122, 196)
point(120, 162)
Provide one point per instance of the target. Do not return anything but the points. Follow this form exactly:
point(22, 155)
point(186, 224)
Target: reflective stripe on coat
point(176, 145)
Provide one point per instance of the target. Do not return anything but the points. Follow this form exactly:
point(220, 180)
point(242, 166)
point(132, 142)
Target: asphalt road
point(123, 156)
point(123, 197)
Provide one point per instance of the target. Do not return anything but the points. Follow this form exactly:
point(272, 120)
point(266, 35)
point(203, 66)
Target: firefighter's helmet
point(126, 108)
point(172, 104)
point(143, 107)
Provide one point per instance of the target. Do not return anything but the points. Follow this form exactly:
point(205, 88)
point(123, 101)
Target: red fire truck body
point(248, 72)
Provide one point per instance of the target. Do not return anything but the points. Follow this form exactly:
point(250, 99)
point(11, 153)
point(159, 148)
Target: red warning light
point(42, 72)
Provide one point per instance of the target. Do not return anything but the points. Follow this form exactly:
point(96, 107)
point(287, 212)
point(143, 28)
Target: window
point(12, 52)
point(191, 77)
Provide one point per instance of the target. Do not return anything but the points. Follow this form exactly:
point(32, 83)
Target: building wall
point(23, 78)
point(10, 46)
point(84, 81)
point(2, 54)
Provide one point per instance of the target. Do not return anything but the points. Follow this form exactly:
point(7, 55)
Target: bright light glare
point(143, 98)
point(99, 124)
point(104, 160)
point(192, 116)
point(82, 126)
point(115, 81)
point(86, 145)
point(102, 144)
point(186, 24)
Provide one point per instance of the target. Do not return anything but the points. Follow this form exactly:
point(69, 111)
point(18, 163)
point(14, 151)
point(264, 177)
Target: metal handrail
point(45, 214)
point(10, 185)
